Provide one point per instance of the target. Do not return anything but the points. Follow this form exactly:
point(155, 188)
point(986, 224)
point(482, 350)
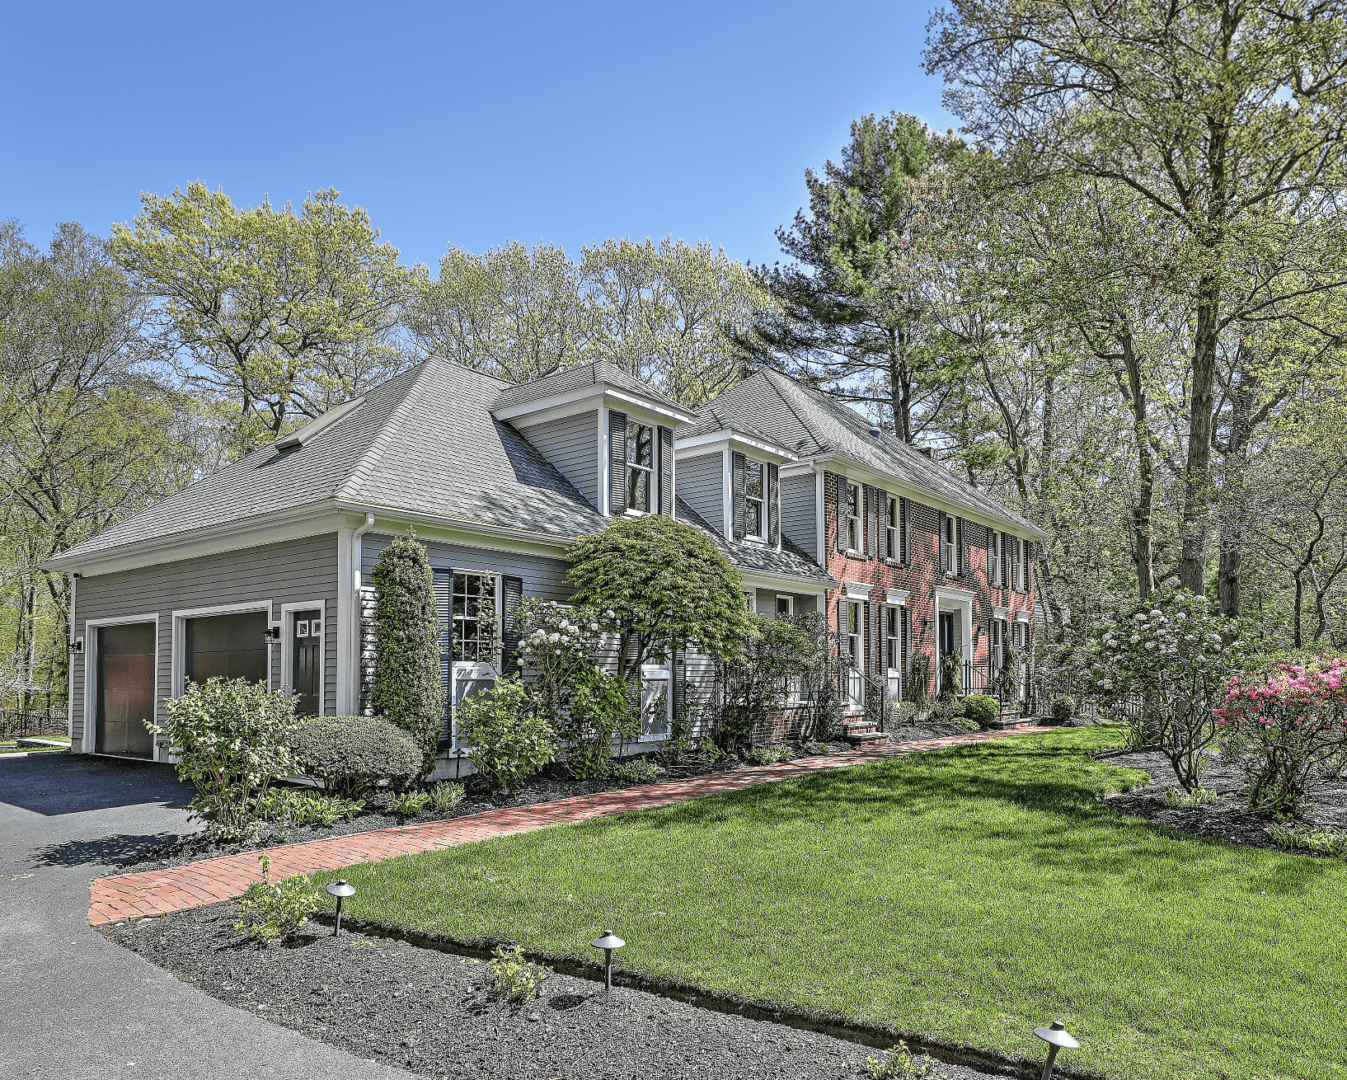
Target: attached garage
point(124, 674)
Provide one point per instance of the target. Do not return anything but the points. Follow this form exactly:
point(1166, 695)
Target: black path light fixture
point(1057, 1039)
point(340, 889)
point(608, 943)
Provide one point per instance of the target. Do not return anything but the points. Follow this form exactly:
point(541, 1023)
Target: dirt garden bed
point(1225, 819)
point(431, 1012)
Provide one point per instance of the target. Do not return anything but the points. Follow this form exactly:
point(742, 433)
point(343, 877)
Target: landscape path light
point(608, 943)
point(340, 889)
point(1057, 1039)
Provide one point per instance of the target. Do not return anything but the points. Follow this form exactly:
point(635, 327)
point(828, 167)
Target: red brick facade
point(920, 576)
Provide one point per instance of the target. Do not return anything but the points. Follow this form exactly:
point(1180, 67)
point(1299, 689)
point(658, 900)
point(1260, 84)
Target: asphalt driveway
point(77, 1008)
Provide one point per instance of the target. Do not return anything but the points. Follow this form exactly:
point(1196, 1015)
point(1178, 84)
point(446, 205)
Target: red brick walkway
point(159, 892)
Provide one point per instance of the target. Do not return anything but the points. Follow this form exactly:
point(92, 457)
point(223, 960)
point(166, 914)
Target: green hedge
point(351, 754)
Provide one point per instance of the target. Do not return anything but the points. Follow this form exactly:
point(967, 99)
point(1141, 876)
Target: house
point(925, 563)
point(262, 569)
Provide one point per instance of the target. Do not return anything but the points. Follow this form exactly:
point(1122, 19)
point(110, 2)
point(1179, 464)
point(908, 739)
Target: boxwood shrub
point(981, 708)
point(350, 754)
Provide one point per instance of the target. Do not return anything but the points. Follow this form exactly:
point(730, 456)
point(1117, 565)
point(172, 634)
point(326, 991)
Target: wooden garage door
point(125, 689)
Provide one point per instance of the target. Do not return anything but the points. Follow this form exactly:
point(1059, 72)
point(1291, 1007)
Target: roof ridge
point(767, 373)
point(361, 469)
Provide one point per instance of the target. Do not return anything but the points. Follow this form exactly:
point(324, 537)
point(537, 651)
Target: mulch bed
point(1225, 819)
point(431, 1012)
point(548, 786)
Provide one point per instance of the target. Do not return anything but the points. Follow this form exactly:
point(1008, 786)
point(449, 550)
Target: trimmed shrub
point(639, 771)
point(508, 736)
point(351, 754)
point(1063, 708)
point(407, 688)
point(981, 709)
point(230, 739)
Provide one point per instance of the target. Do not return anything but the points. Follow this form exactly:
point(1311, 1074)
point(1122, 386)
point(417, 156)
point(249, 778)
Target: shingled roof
point(790, 561)
point(813, 424)
point(595, 374)
point(422, 442)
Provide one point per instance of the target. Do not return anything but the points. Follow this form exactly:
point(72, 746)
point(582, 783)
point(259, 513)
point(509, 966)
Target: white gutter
point(357, 642)
point(70, 664)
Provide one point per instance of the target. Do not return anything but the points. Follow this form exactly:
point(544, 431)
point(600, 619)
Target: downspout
point(357, 638)
point(70, 666)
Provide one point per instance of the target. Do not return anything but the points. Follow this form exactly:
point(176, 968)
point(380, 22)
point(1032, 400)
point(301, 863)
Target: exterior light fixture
point(1057, 1038)
point(608, 943)
point(271, 635)
point(340, 889)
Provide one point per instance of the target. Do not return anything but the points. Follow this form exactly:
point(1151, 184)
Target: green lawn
point(10, 745)
point(969, 894)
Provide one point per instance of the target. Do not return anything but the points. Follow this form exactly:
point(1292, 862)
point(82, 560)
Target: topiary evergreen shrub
point(1063, 708)
point(984, 710)
point(351, 754)
point(407, 688)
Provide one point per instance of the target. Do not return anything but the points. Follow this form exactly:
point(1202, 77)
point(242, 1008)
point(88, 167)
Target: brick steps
point(159, 892)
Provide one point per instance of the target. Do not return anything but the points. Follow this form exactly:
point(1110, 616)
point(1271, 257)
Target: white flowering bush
point(1174, 651)
point(230, 739)
point(587, 707)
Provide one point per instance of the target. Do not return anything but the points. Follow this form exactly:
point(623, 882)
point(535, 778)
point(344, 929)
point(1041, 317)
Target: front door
point(947, 642)
point(125, 674)
point(306, 643)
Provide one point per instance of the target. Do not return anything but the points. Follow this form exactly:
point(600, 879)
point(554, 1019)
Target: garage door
point(125, 690)
point(228, 647)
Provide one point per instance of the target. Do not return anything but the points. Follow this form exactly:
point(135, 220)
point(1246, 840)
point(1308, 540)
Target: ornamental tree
point(659, 585)
point(1174, 651)
point(407, 688)
point(1282, 723)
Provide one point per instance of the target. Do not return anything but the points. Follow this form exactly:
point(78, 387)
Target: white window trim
point(658, 671)
point(893, 534)
point(790, 603)
point(457, 749)
point(857, 590)
point(287, 648)
point(896, 597)
point(180, 618)
point(949, 549)
point(760, 536)
point(89, 739)
point(994, 570)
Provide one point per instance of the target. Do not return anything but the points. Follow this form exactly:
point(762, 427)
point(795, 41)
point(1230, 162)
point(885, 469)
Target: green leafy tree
point(1226, 120)
point(660, 586)
point(406, 688)
point(282, 314)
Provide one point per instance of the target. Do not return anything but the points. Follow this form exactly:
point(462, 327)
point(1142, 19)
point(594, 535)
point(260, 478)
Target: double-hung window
point(473, 608)
point(994, 552)
point(893, 530)
point(893, 638)
point(950, 545)
point(640, 466)
point(853, 509)
point(997, 644)
point(755, 518)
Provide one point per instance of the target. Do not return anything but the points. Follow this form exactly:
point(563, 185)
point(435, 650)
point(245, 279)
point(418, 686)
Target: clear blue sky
point(452, 123)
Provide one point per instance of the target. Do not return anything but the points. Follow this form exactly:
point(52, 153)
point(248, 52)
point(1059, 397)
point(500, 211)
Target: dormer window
point(640, 466)
point(753, 499)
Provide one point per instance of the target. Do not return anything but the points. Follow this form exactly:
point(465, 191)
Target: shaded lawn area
point(969, 894)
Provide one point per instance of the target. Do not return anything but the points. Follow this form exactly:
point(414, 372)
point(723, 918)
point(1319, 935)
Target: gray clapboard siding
point(542, 576)
point(571, 443)
point(701, 484)
point(294, 571)
point(799, 512)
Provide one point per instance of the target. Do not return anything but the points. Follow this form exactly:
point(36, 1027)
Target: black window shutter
point(882, 550)
point(617, 463)
point(666, 479)
point(944, 553)
point(905, 514)
point(882, 640)
point(842, 626)
point(773, 505)
point(991, 557)
point(871, 520)
point(512, 589)
point(839, 493)
point(1005, 556)
point(962, 548)
point(680, 676)
point(867, 646)
point(907, 644)
point(737, 493)
point(1029, 549)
